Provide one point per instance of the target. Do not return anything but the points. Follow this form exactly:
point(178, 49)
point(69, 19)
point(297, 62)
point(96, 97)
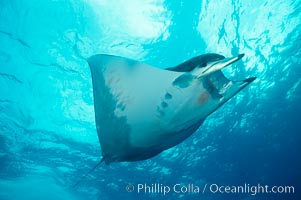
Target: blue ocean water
point(48, 137)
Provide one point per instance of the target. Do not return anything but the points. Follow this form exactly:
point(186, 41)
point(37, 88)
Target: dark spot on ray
point(183, 81)
point(168, 96)
point(161, 113)
point(121, 106)
point(164, 104)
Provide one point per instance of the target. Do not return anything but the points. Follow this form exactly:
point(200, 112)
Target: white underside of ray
point(142, 90)
point(140, 107)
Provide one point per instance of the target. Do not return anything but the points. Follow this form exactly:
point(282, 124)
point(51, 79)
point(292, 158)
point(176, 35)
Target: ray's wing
point(141, 110)
point(126, 96)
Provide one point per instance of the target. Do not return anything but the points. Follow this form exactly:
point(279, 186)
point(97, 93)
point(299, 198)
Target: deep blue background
point(47, 129)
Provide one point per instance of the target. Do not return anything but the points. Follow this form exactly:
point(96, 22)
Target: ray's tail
point(89, 172)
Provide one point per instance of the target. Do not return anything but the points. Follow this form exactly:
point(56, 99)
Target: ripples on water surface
point(47, 129)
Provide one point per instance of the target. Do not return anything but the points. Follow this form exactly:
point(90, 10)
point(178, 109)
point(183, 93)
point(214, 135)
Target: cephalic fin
point(215, 66)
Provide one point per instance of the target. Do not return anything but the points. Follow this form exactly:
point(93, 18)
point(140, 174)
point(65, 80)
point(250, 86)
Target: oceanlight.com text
point(251, 189)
